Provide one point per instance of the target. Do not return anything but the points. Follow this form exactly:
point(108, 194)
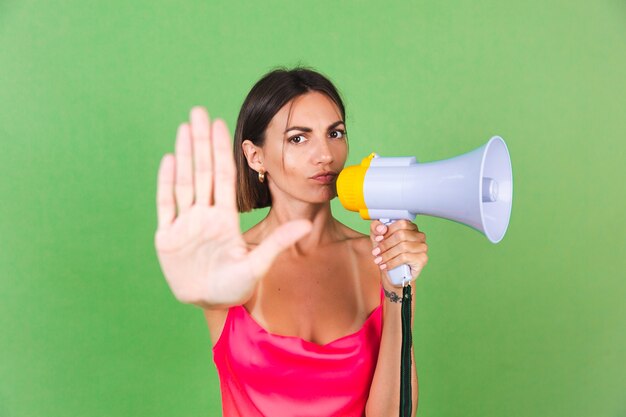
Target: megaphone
point(475, 189)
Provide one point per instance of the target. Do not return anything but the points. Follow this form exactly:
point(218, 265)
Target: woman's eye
point(337, 134)
point(297, 139)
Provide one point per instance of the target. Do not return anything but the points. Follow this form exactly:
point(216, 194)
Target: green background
point(91, 94)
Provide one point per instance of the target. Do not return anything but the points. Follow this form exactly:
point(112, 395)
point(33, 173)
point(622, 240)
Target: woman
point(303, 318)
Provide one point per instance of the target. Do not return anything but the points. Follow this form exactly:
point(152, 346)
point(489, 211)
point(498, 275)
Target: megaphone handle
point(400, 275)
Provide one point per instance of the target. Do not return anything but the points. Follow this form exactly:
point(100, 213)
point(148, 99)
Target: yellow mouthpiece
point(350, 187)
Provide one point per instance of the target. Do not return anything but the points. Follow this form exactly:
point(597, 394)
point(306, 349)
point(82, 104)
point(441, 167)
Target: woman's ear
point(254, 155)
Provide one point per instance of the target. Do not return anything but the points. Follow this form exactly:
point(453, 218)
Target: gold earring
point(261, 176)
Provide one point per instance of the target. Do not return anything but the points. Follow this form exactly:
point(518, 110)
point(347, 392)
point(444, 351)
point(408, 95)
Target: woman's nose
point(323, 153)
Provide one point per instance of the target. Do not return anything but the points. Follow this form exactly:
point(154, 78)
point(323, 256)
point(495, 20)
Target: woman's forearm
point(384, 397)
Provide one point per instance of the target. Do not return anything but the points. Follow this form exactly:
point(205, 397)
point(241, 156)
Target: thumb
point(262, 256)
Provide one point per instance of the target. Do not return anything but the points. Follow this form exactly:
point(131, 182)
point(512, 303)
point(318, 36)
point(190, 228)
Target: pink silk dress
point(268, 375)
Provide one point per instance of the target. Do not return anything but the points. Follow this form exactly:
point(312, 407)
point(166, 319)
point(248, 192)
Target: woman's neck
point(325, 228)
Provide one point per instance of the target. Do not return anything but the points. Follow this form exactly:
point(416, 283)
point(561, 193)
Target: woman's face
point(305, 149)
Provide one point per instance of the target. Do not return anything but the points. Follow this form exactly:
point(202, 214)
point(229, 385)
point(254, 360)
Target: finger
point(166, 205)
point(402, 225)
point(410, 248)
point(184, 175)
point(416, 261)
point(202, 157)
point(225, 172)
point(283, 237)
point(398, 237)
point(377, 228)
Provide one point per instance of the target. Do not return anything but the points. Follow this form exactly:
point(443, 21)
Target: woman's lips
point(326, 178)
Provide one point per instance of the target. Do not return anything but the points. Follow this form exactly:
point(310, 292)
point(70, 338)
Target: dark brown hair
point(267, 97)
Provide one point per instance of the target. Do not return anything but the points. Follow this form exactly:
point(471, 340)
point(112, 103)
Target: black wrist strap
point(406, 394)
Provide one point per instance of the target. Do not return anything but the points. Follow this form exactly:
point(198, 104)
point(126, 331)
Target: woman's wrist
point(393, 296)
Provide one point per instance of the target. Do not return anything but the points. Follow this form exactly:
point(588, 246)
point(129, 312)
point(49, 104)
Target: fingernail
point(379, 238)
point(380, 228)
point(376, 251)
point(378, 260)
point(383, 266)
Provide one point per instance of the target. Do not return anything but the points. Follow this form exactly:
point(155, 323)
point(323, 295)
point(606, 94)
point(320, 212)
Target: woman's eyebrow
point(337, 123)
point(304, 129)
point(308, 129)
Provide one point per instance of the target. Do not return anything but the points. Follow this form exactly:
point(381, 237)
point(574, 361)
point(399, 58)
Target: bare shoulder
point(360, 242)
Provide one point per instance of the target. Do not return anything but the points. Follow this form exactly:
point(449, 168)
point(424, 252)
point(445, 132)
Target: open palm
point(198, 241)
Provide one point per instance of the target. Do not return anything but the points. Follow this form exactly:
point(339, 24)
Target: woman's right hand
point(199, 245)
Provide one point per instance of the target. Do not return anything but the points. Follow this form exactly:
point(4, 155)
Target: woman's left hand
point(399, 243)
